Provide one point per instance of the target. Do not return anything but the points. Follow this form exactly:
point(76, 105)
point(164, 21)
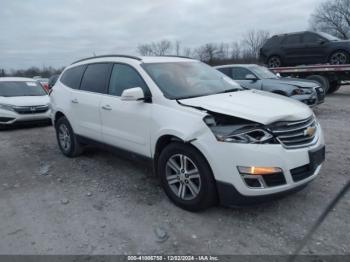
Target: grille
point(25, 110)
point(296, 134)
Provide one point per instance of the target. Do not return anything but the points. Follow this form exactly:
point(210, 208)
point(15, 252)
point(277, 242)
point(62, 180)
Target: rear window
point(72, 76)
point(12, 89)
point(96, 78)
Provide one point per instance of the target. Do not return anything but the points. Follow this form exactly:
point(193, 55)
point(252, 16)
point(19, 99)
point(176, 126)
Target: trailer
point(331, 77)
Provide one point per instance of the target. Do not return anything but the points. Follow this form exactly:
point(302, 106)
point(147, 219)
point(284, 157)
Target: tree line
point(244, 51)
point(45, 72)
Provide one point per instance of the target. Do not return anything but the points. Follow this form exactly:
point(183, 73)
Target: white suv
point(209, 140)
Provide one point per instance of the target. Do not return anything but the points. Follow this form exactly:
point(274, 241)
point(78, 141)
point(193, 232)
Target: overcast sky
point(57, 32)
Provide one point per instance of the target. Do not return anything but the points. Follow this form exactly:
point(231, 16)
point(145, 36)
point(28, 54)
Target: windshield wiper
point(229, 91)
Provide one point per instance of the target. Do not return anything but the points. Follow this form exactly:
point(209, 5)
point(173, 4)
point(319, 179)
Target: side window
point(72, 76)
point(292, 40)
point(125, 77)
point(311, 38)
point(239, 73)
point(226, 70)
point(96, 77)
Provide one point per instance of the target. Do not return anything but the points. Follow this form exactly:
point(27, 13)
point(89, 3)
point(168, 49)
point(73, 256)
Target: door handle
point(75, 101)
point(107, 107)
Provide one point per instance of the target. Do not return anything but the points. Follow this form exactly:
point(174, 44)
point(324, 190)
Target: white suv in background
point(22, 100)
point(209, 140)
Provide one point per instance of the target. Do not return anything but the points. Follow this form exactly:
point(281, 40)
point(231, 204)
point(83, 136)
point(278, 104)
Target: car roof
point(16, 79)
point(294, 33)
point(236, 65)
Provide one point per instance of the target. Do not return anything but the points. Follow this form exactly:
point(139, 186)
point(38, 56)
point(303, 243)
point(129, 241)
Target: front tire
point(67, 140)
point(186, 177)
point(339, 58)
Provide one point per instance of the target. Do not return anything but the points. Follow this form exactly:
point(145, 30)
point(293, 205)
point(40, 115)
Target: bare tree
point(187, 51)
point(236, 51)
point(160, 48)
point(177, 47)
point(253, 41)
point(207, 53)
point(145, 49)
point(332, 16)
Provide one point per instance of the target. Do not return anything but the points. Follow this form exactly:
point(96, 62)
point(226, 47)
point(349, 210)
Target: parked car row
point(260, 78)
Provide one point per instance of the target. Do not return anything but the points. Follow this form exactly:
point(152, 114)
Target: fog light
point(254, 170)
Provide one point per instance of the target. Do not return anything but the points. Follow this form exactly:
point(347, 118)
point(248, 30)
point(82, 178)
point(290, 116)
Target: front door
point(126, 124)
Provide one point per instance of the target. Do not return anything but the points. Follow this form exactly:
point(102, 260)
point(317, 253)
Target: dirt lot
point(100, 203)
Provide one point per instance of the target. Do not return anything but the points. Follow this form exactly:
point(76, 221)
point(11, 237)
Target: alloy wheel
point(274, 62)
point(64, 137)
point(338, 58)
point(183, 177)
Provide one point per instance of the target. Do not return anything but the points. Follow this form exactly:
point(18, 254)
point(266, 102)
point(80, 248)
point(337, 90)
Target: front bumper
point(309, 99)
point(8, 118)
point(224, 158)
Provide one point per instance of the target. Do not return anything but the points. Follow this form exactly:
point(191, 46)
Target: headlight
point(245, 133)
point(298, 91)
point(6, 107)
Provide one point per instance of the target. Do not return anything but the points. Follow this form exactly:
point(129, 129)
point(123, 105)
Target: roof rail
point(179, 56)
point(103, 56)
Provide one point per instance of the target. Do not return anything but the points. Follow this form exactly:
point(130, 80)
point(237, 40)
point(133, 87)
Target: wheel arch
point(338, 50)
point(167, 139)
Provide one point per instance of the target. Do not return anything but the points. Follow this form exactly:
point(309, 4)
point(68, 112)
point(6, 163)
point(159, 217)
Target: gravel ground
point(100, 203)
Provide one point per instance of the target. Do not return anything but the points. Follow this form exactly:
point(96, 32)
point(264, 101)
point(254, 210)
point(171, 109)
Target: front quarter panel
point(180, 121)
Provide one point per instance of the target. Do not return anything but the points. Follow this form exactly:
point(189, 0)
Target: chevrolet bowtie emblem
point(310, 131)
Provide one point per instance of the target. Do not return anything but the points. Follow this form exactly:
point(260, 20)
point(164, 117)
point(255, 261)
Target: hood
point(25, 100)
point(258, 106)
point(292, 81)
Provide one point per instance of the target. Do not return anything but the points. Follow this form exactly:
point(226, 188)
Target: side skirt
point(148, 161)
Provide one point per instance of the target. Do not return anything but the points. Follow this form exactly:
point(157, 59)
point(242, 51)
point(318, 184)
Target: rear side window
point(226, 70)
point(125, 77)
point(96, 77)
point(240, 73)
point(72, 76)
point(311, 38)
point(292, 40)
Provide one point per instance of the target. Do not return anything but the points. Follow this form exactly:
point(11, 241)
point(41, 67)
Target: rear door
point(126, 124)
point(293, 49)
point(86, 101)
point(315, 48)
point(239, 74)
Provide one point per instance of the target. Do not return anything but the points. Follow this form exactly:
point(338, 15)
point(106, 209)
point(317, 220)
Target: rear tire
point(334, 87)
point(66, 139)
point(186, 177)
point(274, 61)
point(323, 81)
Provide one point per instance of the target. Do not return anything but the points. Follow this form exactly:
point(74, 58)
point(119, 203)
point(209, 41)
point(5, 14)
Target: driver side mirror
point(133, 94)
point(251, 77)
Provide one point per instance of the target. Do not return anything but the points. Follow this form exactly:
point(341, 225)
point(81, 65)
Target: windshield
point(12, 89)
point(179, 80)
point(329, 37)
point(263, 72)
